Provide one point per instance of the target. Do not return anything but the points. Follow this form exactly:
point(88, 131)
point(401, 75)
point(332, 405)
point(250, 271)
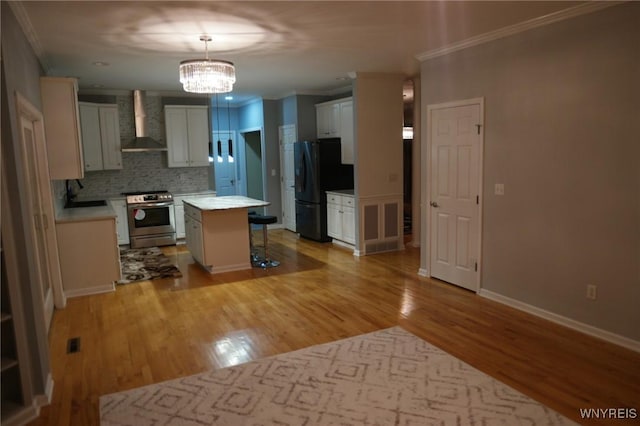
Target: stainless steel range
point(151, 219)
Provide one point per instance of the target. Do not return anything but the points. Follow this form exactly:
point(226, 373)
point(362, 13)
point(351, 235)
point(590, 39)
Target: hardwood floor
point(158, 330)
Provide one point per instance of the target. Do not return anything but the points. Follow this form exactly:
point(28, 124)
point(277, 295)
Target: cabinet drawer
point(192, 212)
point(334, 199)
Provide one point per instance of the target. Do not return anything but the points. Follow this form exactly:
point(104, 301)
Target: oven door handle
point(135, 206)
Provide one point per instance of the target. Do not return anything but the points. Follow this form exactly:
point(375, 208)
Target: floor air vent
point(73, 345)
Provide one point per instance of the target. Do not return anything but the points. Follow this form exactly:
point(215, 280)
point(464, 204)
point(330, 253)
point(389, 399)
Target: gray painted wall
point(562, 119)
point(21, 73)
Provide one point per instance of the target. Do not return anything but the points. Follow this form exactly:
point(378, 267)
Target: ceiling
point(279, 48)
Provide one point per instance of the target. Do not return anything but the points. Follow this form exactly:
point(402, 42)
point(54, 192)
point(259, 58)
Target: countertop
point(83, 214)
point(341, 192)
point(224, 203)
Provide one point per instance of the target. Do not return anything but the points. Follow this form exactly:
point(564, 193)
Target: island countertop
point(225, 202)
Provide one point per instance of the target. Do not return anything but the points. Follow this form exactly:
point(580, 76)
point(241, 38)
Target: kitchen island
point(217, 231)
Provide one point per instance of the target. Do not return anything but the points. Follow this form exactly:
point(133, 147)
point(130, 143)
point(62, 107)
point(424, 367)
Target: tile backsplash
point(144, 171)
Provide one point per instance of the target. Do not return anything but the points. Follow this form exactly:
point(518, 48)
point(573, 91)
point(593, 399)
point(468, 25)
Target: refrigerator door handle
point(304, 173)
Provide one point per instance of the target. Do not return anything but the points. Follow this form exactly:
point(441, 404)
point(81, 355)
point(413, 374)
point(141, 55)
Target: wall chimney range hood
point(142, 142)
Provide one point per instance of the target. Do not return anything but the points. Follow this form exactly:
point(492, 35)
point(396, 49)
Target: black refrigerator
point(318, 168)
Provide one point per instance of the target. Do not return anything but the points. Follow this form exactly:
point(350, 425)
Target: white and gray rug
point(389, 377)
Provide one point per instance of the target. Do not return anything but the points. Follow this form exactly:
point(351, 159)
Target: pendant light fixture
point(207, 75)
point(219, 141)
point(229, 127)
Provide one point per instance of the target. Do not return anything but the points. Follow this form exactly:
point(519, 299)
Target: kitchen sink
point(88, 203)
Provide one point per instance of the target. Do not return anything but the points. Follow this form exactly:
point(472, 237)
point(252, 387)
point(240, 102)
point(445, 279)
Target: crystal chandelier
point(207, 75)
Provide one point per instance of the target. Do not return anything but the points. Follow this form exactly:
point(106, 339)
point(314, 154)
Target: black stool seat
point(259, 219)
point(264, 220)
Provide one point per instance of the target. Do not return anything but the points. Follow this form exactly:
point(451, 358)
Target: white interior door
point(287, 180)
point(454, 194)
point(225, 161)
point(41, 217)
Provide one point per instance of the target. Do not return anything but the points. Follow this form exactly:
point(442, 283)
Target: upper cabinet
point(335, 120)
point(328, 120)
point(346, 131)
point(100, 136)
point(187, 135)
point(62, 127)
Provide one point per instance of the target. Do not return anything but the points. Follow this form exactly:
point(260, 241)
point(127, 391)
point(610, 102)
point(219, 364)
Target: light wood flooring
point(158, 330)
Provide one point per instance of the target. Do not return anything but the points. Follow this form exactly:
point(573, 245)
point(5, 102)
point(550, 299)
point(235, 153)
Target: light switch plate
point(499, 189)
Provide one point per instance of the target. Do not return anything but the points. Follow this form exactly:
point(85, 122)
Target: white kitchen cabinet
point(62, 127)
point(328, 120)
point(180, 222)
point(178, 208)
point(100, 136)
point(187, 130)
point(346, 131)
point(122, 224)
point(89, 256)
point(335, 120)
point(341, 217)
point(193, 233)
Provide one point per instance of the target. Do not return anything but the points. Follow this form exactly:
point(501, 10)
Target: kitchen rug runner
point(146, 264)
point(388, 377)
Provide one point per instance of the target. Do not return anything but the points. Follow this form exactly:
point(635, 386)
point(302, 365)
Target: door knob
point(434, 204)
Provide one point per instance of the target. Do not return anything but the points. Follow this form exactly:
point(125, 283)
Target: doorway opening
point(407, 148)
point(253, 164)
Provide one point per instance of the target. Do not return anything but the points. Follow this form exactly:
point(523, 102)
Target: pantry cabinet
point(341, 217)
point(62, 127)
point(187, 130)
point(334, 119)
point(100, 136)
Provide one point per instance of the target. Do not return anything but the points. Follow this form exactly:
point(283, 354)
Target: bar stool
point(252, 251)
point(264, 220)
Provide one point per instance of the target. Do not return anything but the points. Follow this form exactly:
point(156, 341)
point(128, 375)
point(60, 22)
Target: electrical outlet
point(499, 189)
point(592, 292)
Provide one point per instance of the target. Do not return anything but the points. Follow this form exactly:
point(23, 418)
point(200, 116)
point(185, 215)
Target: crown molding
point(27, 28)
point(571, 12)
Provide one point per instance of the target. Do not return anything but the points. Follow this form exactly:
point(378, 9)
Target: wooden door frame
point(425, 216)
point(24, 108)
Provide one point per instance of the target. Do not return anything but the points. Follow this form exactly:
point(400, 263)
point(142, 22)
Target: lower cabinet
point(180, 221)
point(178, 207)
point(89, 256)
point(122, 223)
point(193, 235)
point(341, 217)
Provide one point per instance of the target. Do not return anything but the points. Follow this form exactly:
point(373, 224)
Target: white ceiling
point(278, 47)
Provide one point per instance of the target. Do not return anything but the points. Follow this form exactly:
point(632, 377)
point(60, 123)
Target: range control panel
point(149, 198)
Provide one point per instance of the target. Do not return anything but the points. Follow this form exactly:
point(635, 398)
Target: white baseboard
point(562, 320)
point(107, 288)
point(31, 412)
point(423, 272)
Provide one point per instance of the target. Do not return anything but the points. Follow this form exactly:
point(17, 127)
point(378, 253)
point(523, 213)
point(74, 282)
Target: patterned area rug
point(388, 377)
point(146, 264)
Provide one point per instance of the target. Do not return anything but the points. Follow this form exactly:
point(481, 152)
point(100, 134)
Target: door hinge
point(477, 199)
point(476, 266)
point(478, 127)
